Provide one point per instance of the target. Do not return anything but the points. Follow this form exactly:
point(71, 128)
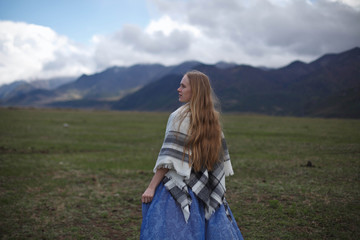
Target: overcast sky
point(44, 39)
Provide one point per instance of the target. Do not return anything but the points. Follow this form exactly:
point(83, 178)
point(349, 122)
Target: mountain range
point(326, 87)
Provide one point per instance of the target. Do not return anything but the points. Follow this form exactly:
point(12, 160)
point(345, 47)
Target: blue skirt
point(163, 219)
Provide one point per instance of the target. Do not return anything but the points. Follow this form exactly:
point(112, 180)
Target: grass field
point(80, 174)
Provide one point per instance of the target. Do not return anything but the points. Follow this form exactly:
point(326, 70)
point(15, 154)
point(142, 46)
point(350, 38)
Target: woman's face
point(184, 90)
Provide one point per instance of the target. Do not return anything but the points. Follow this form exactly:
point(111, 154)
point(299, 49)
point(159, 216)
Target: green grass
point(84, 181)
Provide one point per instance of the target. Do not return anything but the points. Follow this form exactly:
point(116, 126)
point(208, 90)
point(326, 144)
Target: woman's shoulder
point(181, 110)
point(179, 119)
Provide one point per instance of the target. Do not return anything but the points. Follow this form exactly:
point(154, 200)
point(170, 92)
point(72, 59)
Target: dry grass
point(84, 181)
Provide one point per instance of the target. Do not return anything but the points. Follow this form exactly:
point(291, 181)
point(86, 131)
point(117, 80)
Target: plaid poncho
point(209, 186)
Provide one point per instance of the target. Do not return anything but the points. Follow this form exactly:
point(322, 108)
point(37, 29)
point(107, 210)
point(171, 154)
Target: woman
point(185, 198)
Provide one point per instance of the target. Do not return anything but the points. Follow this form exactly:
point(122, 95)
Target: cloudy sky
point(44, 39)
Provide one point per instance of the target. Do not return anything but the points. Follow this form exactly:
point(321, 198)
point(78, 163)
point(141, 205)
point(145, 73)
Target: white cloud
point(29, 51)
point(350, 3)
point(133, 45)
point(166, 25)
point(257, 32)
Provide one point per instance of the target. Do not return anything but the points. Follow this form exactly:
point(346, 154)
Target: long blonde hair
point(204, 141)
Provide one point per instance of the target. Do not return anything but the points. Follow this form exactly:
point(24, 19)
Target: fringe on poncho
point(209, 186)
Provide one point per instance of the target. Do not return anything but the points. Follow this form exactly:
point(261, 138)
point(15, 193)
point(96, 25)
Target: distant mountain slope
point(160, 95)
point(112, 82)
point(19, 89)
point(39, 96)
point(14, 89)
point(51, 83)
point(118, 81)
point(342, 104)
point(84, 92)
point(299, 89)
point(326, 87)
